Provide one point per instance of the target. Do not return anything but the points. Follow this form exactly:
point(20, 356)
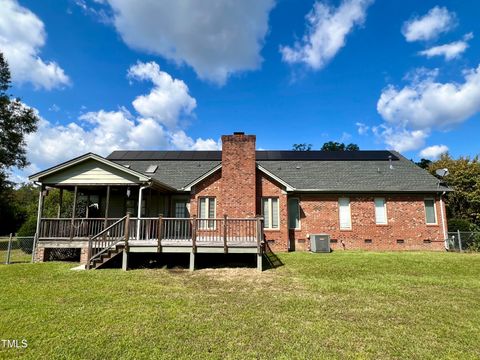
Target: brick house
point(236, 199)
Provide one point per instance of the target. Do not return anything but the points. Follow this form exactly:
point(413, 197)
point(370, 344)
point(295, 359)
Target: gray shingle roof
point(307, 175)
point(176, 174)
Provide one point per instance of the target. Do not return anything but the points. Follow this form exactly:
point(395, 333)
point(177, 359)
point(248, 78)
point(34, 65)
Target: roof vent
point(127, 166)
point(238, 133)
point(152, 168)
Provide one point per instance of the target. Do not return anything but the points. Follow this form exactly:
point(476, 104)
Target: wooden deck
point(148, 235)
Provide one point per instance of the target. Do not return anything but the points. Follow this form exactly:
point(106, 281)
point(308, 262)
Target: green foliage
point(302, 147)
point(424, 163)
point(336, 146)
point(464, 178)
point(29, 227)
point(460, 225)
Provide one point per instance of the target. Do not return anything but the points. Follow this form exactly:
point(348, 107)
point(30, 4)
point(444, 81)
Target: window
point(152, 168)
point(344, 213)
point(206, 210)
point(270, 213)
point(430, 215)
point(293, 213)
point(380, 211)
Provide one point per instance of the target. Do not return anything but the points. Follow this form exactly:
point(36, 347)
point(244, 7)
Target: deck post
point(192, 261)
point(89, 253)
point(225, 247)
point(125, 249)
point(74, 207)
point(194, 233)
point(259, 243)
point(107, 205)
point(160, 232)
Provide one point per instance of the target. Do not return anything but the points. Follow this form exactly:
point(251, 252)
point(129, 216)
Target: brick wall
point(406, 221)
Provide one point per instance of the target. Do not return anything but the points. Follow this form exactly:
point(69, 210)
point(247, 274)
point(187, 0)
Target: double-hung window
point(430, 213)
point(270, 213)
point(207, 211)
point(380, 211)
point(344, 213)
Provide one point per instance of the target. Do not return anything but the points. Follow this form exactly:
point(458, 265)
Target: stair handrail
point(108, 228)
point(110, 245)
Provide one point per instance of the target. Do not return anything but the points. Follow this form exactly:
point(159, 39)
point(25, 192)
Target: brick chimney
point(238, 175)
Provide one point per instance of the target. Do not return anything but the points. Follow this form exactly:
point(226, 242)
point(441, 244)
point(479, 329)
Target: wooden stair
point(106, 257)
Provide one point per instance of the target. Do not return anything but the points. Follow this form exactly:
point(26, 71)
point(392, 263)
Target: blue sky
point(107, 74)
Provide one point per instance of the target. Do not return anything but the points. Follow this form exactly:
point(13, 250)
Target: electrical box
point(320, 243)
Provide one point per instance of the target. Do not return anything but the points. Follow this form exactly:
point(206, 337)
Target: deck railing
point(196, 230)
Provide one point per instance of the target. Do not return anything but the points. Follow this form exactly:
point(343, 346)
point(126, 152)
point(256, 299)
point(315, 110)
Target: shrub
point(456, 224)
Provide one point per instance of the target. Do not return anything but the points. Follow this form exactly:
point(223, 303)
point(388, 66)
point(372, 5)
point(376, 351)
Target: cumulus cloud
point(104, 131)
point(426, 103)
point(169, 99)
point(400, 139)
point(433, 152)
point(438, 20)
point(449, 51)
point(22, 35)
point(327, 29)
point(216, 38)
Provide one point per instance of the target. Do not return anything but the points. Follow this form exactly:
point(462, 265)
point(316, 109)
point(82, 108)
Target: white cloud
point(438, 20)
point(400, 139)
point(181, 141)
point(449, 51)
point(22, 35)
point(215, 37)
point(433, 152)
point(426, 103)
point(169, 99)
point(327, 28)
point(362, 128)
point(104, 131)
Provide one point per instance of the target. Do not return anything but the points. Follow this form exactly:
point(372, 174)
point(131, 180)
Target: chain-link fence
point(463, 241)
point(16, 249)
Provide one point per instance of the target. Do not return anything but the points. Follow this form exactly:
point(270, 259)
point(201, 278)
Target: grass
point(341, 305)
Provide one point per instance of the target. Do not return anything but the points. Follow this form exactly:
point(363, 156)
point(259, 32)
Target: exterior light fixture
point(129, 192)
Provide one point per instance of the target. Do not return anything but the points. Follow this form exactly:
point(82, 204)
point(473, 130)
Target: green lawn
point(413, 305)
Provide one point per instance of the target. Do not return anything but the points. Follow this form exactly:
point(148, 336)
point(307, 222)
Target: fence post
point(459, 240)
point(225, 247)
point(34, 246)
point(9, 249)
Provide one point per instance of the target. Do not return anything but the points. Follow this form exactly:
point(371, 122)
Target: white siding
point(90, 172)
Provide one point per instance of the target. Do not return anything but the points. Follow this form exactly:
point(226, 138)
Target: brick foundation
point(83, 255)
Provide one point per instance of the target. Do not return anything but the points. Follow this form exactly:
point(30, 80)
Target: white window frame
point(299, 217)
point(349, 214)
point(384, 210)
point(206, 225)
point(270, 208)
point(434, 210)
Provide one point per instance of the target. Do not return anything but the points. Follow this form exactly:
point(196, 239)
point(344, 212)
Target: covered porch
point(106, 209)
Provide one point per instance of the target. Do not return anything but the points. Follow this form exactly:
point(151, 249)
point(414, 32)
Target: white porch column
point(40, 210)
point(139, 210)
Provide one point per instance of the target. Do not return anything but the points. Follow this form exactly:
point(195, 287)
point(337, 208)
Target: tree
point(464, 178)
point(302, 147)
point(424, 163)
point(336, 146)
point(16, 120)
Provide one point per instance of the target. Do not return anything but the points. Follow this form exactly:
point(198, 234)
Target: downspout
point(445, 236)
point(139, 210)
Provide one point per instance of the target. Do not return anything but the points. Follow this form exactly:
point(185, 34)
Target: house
point(239, 199)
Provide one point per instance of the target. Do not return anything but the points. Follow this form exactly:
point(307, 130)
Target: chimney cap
point(238, 133)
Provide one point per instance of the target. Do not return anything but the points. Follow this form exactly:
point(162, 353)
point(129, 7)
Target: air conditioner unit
point(320, 243)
